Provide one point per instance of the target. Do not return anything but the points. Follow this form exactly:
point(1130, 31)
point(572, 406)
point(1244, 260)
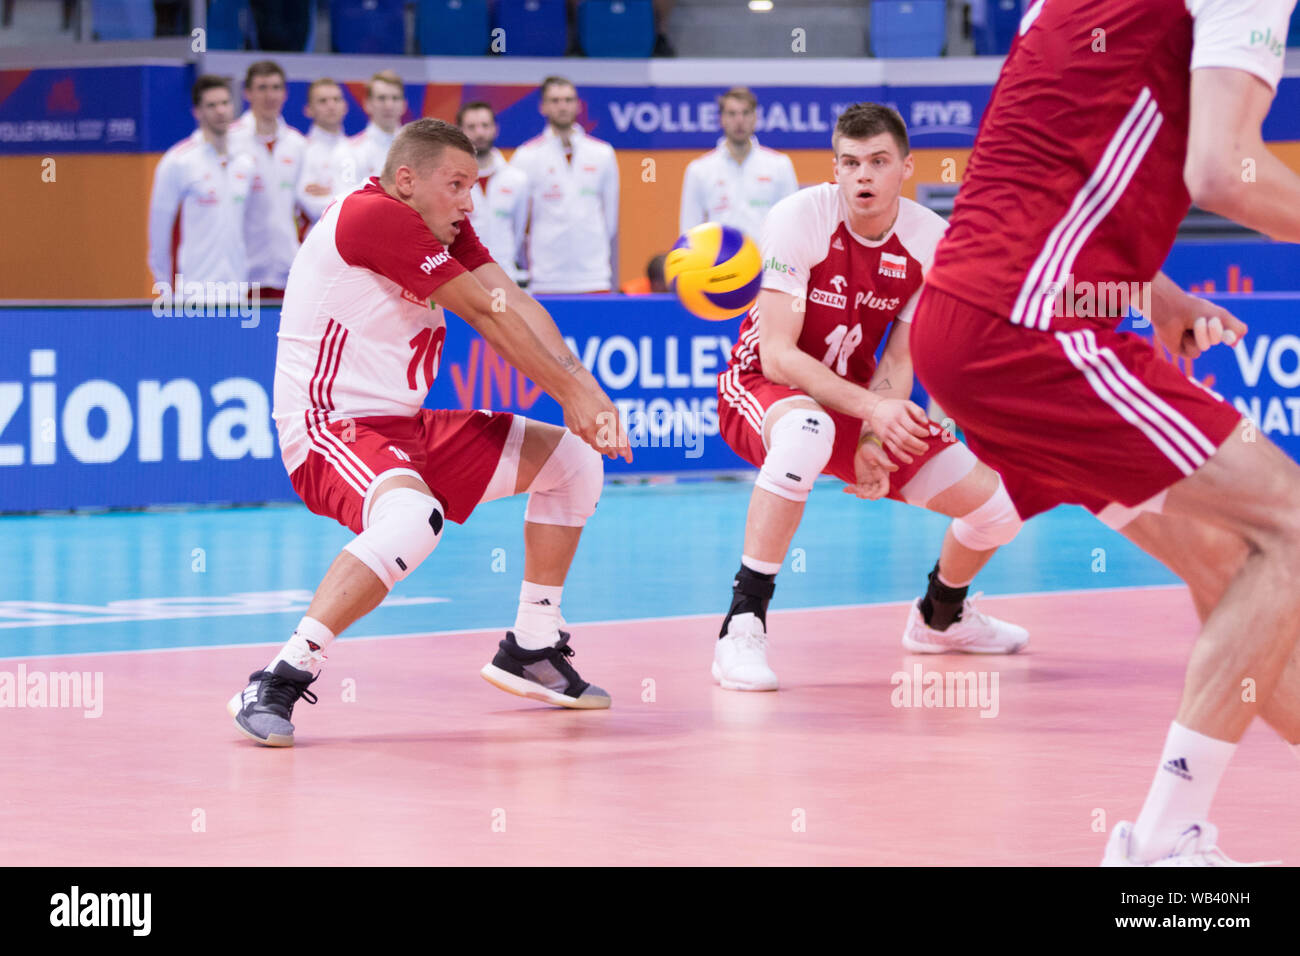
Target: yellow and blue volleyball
point(715, 270)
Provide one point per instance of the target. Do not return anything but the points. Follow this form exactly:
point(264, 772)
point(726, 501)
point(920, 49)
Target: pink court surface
point(429, 764)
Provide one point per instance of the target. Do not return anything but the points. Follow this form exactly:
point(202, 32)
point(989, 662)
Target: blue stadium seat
point(123, 19)
point(908, 27)
point(368, 26)
point(533, 27)
point(624, 28)
point(1001, 24)
point(1293, 37)
point(229, 24)
point(452, 27)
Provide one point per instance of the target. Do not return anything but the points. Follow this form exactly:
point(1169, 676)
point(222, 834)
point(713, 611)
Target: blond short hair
point(420, 143)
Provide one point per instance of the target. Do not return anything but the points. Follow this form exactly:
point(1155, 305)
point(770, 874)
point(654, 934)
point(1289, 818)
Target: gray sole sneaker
point(544, 675)
point(263, 708)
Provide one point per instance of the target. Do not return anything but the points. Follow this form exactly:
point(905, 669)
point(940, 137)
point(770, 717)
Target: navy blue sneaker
point(263, 708)
point(544, 675)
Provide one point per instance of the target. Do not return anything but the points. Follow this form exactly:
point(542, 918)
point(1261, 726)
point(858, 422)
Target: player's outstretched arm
point(898, 423)
point(588, 412)
point(1229, 170)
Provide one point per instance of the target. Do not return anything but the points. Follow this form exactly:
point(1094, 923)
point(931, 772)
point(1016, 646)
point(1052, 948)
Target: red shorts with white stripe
point(1090, 416)
point(455, 453)
point(744, 399)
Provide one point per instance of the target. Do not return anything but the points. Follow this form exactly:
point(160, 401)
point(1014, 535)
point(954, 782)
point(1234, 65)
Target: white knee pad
point(405, 526)
point(568, 486)
point(991, 525)
point(799, 448)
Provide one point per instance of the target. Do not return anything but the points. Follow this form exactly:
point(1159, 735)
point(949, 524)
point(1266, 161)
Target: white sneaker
point(974, 633)
point(1195, 847)
point(740, 657)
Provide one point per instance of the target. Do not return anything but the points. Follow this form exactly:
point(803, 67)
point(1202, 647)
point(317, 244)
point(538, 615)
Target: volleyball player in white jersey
point(360, 340)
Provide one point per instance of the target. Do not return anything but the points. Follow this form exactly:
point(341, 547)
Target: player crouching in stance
point(360, 340)
point(803, 396)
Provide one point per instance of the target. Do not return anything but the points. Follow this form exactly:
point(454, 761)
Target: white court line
point(622, 620)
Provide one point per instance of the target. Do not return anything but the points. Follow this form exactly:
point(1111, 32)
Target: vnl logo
point(75, 908)
point(240, 427)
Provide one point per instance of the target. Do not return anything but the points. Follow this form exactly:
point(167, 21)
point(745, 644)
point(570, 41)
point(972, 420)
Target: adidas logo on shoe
point(1178, 767)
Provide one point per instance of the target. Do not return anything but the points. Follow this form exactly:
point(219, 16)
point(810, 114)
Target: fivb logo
point(432, 262)
point(102, 909)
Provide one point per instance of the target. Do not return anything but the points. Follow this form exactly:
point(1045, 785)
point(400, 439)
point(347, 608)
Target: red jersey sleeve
point(385, 235)
point(467, 249)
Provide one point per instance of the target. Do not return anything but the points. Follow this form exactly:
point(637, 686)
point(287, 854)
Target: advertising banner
point(116, 407)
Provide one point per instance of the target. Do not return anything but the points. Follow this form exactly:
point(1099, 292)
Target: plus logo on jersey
point(432, 262)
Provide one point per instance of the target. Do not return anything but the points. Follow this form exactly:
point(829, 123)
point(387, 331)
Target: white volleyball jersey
point(573, 211)
point(196, 213)
point(500, 215)
point(358, 335)
point(271, 226)
point(719, 189)
point(318, 168)
point(362, 157)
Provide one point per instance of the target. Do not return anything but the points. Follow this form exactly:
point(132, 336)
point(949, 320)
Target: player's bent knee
point(405, 526)
point(799, 448)
point(989, 526)
point(568, 486)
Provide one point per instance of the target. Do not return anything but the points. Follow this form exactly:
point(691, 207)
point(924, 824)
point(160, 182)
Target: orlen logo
point(832, 299)
point(872, 301)
point(432, 262)
point(239, 429)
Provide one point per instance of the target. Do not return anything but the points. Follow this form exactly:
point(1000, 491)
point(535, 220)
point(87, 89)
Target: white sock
point(1190, 769)
point(762, 567)
point(537, 624)
point(298, 649)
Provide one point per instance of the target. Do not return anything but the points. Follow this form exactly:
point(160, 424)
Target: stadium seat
point(452, 27)
point(1293, 37)
point(624, 28)
point(908, 27)
point(229, 24)
point(123, 19)
point(368, 26)
point(1001, 23)
point(533, 27)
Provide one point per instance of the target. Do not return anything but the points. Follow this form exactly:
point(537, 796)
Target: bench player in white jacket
point(739, 181)
point(573, 199)
point(326, 108)
point(360, 341)
point(277, 149)
point(500, 215)
point(199, 198)
point(363, 155)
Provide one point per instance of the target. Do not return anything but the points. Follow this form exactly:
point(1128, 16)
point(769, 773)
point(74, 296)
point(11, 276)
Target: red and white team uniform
point(196, 213)
point(271, 227)
point(853, 289)
point(573, 211)
point(500, 215)
point(1076, 180)
point(361, 157)
point(318, 168)
point(359, 346)
point(716, 188)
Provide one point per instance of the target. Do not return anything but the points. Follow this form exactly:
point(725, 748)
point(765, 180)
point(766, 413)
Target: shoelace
point(285, 693)
point(750, 640)
point(970, 612)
